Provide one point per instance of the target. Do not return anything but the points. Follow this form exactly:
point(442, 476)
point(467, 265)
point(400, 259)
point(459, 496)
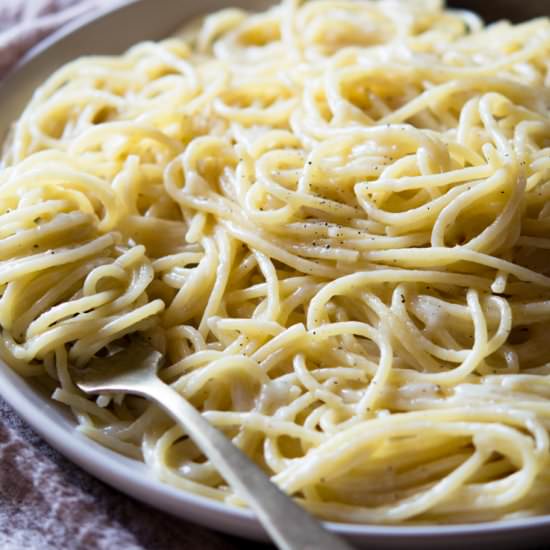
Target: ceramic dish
point(101, 34)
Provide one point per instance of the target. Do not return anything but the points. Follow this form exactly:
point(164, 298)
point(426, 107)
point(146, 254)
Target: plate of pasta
point(332, 218)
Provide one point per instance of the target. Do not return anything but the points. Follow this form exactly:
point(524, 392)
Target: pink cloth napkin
point(24, 22)
point(47, 503)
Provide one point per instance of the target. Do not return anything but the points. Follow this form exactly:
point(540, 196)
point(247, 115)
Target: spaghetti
point(333, 219)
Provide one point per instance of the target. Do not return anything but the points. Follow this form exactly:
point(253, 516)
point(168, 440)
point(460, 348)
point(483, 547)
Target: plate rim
point(114, 469)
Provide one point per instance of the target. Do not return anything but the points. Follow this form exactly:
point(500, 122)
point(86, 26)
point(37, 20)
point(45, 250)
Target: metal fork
point(134, 370)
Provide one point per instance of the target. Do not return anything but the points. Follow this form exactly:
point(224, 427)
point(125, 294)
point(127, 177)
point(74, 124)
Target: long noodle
point(333, 219)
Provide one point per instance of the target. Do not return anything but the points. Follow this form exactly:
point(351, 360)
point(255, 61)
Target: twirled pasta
point(333, 218)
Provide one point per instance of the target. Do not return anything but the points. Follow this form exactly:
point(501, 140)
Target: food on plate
point(333, 219)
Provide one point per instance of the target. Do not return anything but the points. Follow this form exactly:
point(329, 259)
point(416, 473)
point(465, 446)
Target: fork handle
point(289, 525)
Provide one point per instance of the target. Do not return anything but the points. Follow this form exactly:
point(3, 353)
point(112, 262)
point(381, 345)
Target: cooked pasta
point(333, 219)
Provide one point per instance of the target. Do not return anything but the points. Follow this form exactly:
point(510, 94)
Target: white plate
point(112, 33)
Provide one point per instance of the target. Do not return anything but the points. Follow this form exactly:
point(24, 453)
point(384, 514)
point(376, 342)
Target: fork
point(134, 370)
